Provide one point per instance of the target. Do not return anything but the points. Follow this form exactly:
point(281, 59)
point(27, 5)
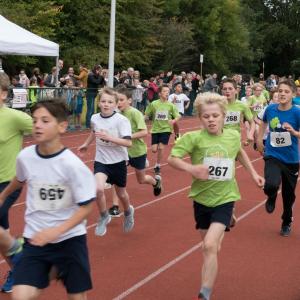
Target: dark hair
point(4, 81)
point(122, 89)
point(229, 80)
point(177, 83)
point(290, 83)
point(162, 86)
point(56, 107)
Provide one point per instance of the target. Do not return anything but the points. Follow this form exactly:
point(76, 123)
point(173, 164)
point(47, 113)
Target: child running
point(113, 137)
point(60, 192)
point(182, 103)
point(164, 115)
point(213, 151)
point(14, 124)
point(138, 151)
point(281, 153)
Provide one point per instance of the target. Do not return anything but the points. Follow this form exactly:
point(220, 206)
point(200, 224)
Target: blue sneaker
point(8, 284)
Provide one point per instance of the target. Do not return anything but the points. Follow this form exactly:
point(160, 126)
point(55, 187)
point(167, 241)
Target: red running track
point(161, 258)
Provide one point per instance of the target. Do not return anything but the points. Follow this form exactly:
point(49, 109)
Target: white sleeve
point(260, 115)
point(20, 170)
point(186, 98)
point(82, 182)
point(124, 128)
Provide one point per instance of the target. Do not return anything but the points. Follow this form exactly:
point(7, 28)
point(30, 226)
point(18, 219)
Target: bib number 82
point(280, 141)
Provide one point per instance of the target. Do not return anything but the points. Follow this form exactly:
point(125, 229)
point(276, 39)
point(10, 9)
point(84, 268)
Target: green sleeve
point(175, 113)
point(24, 122)
point(149, 110)
point(140, 122)
point(183, 146)
point(248, 114)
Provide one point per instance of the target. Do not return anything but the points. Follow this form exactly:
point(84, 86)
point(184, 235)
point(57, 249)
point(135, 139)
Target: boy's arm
point(259, 140)
point(50, 234)
point(13, 186)
point(197, 171)
point(141, 133)
point(291, 130)
point(83, 148)
point(245, 161)
point(125, 141)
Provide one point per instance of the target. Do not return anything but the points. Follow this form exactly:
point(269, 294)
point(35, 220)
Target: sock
point(15, 248)
point(104, 214)
point(205, 292)
point(127, 212)
point(157, 165)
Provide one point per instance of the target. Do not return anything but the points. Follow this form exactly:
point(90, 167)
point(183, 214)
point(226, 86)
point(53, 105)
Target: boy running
point(113, 137)
point(60, 192)
point(182, 103)
point(281, 153)
point(163, 115)
point(14, 124)
point(213, 151)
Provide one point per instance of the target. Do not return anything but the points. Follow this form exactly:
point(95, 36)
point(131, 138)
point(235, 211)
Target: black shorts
point(205, 215)
point(69, 257)
point(160, 138)
point(116, 173)
point(8, 202)
point(138, 162)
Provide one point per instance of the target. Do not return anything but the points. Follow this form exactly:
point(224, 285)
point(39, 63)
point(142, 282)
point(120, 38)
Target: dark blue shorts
point(139, 162)
point(116, 173)
point(9, 201)
point(69, 257)
point(205, 215)
point(160, 138)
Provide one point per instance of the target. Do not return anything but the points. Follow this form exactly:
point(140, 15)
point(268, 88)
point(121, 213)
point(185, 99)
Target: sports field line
point(180, 257)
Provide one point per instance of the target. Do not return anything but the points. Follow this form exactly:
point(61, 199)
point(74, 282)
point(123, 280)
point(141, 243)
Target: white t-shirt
point(57, 185)
point(178, 100)
point(260, 116)
point(117, 126)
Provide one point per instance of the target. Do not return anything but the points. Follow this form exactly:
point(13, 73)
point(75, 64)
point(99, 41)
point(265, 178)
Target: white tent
point(16, 40)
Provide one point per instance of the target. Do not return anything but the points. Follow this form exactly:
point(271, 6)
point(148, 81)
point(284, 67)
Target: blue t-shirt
point(296, 101)
point(275, 118)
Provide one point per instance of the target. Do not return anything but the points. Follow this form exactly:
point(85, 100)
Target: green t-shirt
point(137, 122)
point(219, 153)
point(236, 112)
point(258, 102)
point(160, 113)
point(13, 124)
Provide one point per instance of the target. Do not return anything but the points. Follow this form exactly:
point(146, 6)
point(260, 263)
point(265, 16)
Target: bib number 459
point(51, 194)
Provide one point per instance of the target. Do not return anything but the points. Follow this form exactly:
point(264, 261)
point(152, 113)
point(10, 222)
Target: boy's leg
point(104, 218)
point(128, 209)
point(79, 296)
point(25, 292)
point(114, 210)
point(289, 182)
point(273, 179)
point(212, 239)
point(143, 178)
point(176, 130)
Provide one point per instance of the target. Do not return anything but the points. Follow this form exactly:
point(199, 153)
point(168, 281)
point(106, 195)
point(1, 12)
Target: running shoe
point(157, 187)
point(285, 230)
point(157, 170)
point(129, 220)
point(100, 229)
point(114, 211)
point(8, 284)
point(270, 204)
point(200, 296)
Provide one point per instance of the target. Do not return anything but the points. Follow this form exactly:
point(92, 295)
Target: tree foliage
point(233, 35)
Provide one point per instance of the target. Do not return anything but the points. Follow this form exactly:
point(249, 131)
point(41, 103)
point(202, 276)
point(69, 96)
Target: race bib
point(51, 196)
point(280, 139)
point(161, 116)
point(258, 108)
point(233, 117)
point(219, 168)
point(111, 132)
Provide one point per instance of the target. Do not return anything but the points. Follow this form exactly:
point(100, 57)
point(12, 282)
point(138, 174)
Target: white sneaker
point(129, 220)
point(100, 229)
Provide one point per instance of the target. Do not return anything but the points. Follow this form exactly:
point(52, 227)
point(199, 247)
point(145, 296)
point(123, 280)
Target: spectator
point(83, 75)
point(51, 78)
point(24, 80)
point(211, 84)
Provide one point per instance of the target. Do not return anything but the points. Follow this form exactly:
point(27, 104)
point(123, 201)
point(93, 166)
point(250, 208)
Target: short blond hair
point(109, 91)
point(210, 98)
point(257, 86)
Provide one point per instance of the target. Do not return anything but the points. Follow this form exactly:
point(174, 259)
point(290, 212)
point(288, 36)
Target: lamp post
point(111, 55)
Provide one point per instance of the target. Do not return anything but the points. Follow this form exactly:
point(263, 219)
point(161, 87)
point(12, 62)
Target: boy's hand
point(45, 236)
point(199, 171)
point(172, 122)
point(103, 135)
point(82, 150)
point(289, 128)
point(260, 147)
point(260, 181)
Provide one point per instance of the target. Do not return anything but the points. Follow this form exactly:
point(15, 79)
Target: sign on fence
point(20, 98)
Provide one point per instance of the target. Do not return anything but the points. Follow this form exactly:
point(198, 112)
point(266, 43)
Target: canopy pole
point(56, 75)
point(111, 56)
point(1, 70)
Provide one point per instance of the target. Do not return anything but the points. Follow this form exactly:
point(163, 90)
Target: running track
point(161, 258)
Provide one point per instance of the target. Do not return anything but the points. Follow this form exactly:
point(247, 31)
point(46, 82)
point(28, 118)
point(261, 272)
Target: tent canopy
point(19, 41)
